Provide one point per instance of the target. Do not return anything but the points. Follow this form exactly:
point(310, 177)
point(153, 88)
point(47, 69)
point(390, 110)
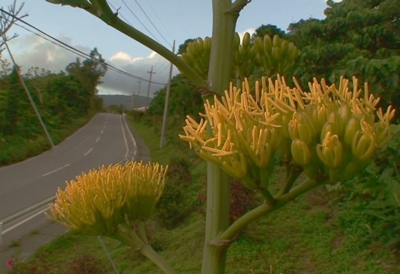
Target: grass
point(17, 147)
point(313, 234)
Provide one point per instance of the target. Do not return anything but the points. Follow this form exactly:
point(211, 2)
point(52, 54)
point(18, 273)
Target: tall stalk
point(218, 189)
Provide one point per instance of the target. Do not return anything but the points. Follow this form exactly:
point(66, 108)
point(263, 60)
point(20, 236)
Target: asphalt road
point(105, 140)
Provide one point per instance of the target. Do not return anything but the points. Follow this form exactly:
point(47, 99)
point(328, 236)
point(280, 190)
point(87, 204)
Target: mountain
point(128, 101)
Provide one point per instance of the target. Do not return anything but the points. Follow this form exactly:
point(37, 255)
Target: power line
point(151, 22)
point(74, 50)
point(137, 18)
point(159, 19)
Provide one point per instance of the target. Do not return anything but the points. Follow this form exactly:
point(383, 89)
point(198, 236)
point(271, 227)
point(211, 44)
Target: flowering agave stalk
point(329, 133)
point(113, 201)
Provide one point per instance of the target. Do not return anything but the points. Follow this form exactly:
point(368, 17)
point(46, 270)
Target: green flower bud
point(330, 152)
point(300, 152)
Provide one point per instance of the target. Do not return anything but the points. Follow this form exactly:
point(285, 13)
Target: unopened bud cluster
point(329, 131)
point(98, 201)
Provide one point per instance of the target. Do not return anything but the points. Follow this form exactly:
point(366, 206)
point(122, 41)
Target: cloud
point(33, 51)
point(140, 67)
point(250, 31)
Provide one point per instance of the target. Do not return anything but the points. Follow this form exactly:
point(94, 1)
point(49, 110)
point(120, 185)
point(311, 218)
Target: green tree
point(11, 110)
point(357, 37)
point(271, 30)
point(87, 75)
point(184, 99)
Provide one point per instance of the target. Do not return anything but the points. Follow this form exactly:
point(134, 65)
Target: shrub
point(172, 209)
point(376, 193)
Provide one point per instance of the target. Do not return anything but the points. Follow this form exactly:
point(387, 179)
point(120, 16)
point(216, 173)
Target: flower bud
point(300, 152)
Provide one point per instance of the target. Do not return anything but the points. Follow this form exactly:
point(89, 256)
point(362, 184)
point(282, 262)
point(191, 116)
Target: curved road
point(105, 140)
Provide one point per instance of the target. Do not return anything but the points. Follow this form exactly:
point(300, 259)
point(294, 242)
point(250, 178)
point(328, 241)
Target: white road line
point(57, 169)
point(98, 139)
point(90, 150)
point(48, 173)
point(24, 221)
point(126, 141)
point(102, 131)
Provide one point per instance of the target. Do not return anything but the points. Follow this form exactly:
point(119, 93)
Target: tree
point(184, 99)
point(357, 37)
point(88, 74)
point(271, 30)
point(13, 97)
point(7, 19)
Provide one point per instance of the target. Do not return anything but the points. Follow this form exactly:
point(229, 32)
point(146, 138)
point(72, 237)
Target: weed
point(15, 243)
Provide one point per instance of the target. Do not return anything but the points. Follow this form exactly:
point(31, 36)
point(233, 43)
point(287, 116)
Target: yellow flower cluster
point(98, 201)
point(325, 130)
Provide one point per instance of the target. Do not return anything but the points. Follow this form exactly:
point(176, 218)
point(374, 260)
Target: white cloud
point(250, 31)
point(139, 67)
point(33, 51)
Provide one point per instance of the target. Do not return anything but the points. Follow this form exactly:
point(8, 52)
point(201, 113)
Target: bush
point(171, 208)
point(376, 193)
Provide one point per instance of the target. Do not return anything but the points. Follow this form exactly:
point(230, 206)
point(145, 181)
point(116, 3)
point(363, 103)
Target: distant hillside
point(128, 101)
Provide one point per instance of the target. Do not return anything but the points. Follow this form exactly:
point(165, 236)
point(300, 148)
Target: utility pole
point(166, 102)
point(148, 89)
point(28, 94)
point(138, 91)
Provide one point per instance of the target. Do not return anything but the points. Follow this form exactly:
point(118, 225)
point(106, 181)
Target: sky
point(164, 21)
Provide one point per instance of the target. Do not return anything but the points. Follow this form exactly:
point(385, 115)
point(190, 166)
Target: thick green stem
point(218, 191)
point(217, 219)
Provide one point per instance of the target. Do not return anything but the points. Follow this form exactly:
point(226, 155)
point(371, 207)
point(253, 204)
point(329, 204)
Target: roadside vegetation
point(351, 227)
point(66, 101)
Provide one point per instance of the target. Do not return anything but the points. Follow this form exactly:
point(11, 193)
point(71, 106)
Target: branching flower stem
point(127, 235)
point(230, 234)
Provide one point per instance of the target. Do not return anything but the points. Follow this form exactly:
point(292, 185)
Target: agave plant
point(328, 132)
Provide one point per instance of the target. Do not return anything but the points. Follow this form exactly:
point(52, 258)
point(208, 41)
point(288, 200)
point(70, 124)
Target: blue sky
point(175, 19)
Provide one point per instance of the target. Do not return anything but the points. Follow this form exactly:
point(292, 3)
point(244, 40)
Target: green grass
point(313, 234)
point(17, 147)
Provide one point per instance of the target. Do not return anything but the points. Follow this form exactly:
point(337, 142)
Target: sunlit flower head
point(97, 201)
point(332, 125)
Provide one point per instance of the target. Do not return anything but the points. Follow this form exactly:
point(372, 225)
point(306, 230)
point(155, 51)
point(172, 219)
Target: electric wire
point(75, 50)
point(159, 20)
point(151, 22)
point(137, 18)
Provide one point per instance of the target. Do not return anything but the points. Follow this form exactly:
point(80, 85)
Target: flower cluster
point(325, 130)
point(98, 201)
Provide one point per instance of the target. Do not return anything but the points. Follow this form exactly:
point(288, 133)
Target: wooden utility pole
point(166, 102)
point(148, 89)
point(28, 94)
point(138, 91)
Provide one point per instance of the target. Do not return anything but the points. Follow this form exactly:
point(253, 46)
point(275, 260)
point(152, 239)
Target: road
point(31, 184)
